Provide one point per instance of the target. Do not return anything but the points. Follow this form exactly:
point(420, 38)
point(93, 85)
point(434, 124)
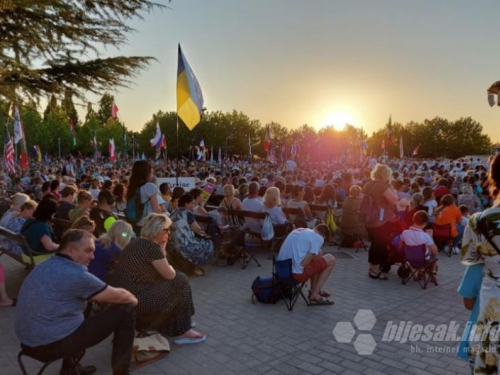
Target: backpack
point(134, 208)
point(369, 212)
point(266, 290)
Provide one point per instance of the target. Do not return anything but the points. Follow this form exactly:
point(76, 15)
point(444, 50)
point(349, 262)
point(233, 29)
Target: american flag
point(9, 152)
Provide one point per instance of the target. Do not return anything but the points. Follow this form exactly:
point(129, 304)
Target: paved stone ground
point(268, 339)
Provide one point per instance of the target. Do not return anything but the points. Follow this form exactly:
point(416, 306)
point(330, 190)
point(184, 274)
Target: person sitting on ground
point(5, 301)
point(303, 247)
point(16, 201)
point(84, 201)
point(188, 239)
point(102, 214)
point(109, 247)
point(164, 294)
point(84, 223)
point(417, 236)
point(66, 202)
point(38, 231)
point(449, 213)
point(16, 224)
point(49, 315)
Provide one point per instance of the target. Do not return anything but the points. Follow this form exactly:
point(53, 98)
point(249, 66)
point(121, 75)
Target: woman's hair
point(154, 224)
point(68, 190)
point(272, 197)
point(29, 205)
point(427, 193)
point(119, 192)
point(417, 198)
point(120, 233)
point(494, 177)
point(83, 196)
point(185, 199)
point(165, 188)
point(381, 172)
point(54, 184)
point(328, 194)
point(195, 192)
point(107, 185)
point(296, 190)
point(228, 190)
point(354, 191)
point(309, 194)
point(467, 190)
point(47, 207)
point(177, 193)
point(94, 184)
point(447, 200)
point(243, 189)
point(18, 199)
point(141, 170)
point(84, 222)
point(45, 186)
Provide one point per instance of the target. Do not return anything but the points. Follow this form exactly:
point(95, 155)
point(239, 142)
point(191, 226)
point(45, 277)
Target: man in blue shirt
point(50, 323)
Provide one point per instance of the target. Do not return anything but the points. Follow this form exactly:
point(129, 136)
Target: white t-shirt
point(254, 205)
point(297, 245)
point(431, 205)
point(416, 237)
point(147, 191)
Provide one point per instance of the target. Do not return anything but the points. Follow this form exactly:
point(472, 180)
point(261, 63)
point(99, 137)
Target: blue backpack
point(266, 290)
point(134, 209)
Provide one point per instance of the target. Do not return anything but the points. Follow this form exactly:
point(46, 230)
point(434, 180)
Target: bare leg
point(5, 301)
point(317, 281)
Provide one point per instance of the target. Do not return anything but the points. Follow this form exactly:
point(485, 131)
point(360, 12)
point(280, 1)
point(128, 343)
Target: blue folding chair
point(289, 287)
point(417, 267)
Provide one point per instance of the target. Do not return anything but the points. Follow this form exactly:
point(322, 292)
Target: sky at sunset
point(322, 62)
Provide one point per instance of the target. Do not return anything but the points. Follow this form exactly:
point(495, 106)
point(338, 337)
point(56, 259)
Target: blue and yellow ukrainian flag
point(189, 96)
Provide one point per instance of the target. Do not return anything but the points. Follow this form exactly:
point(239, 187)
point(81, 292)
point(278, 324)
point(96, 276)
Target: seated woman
point(230, 202)
point(164, 295)
point(66, 203)
point(351, 226)
point(189, 240)
point(16, 223)
point(177, 193)
point(38, 231)
point(109, 247)
point(470, 199)
point(297, 201)
point(84, 202)
point(84, 223)
point(16, 201)
point(55, 187)
point(272, 205)
point(199, 201)
point(120, 201)
point(449, 213)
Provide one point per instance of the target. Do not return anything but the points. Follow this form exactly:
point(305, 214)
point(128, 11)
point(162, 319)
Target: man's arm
point(115, 295)
point(308, 259)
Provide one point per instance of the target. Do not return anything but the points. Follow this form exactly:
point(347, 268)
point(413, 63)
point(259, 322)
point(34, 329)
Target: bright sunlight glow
point(339, 120)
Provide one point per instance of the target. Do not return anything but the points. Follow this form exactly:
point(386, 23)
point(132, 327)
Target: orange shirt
point(450, 215)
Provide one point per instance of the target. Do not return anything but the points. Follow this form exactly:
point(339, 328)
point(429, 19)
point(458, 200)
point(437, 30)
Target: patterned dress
point(476, 250)
point(165, 306)
point(197, 251)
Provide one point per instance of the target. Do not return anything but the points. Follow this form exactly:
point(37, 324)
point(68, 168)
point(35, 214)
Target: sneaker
point(446, 249)
point(456, 250)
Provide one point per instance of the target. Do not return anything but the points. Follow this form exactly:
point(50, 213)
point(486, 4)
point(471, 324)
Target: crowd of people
point(133, 241)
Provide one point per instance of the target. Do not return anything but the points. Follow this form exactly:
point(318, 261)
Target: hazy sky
point(314, 61)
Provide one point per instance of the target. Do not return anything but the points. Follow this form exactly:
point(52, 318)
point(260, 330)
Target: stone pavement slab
point(246, 338)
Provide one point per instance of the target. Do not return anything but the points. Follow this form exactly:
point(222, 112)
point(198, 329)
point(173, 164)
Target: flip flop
point(379, 276)
point(189, 340)
point(322, 293)
point(320, 302)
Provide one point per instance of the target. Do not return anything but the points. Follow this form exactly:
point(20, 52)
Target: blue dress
point(104, 258)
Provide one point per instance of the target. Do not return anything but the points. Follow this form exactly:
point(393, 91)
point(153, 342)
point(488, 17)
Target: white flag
point(220, 156)
point(18, 129)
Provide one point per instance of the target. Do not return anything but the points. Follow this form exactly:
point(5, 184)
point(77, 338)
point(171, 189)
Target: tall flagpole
point(177, 152)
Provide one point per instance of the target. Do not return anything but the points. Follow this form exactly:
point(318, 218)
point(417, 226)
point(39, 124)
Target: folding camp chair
point(416, 266)
point(290, 289)
point(442, 237)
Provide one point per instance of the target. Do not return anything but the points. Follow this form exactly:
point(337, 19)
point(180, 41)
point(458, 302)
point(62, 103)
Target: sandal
point(322, 293)
point(320, 302)
point(189, 340)
point(200, 272)
point(380, 275)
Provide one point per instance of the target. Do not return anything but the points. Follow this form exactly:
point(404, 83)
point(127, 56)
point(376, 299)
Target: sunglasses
point(166, 230)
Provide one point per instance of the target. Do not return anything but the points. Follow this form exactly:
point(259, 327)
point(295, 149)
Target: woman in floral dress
point(476, 249)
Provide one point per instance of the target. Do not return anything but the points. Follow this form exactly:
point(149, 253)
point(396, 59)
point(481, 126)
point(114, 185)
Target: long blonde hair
point(272, 197)
point(120, 233)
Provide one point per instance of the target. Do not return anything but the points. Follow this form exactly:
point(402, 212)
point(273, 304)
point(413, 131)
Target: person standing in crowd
point(49, 314)
point(380, 229)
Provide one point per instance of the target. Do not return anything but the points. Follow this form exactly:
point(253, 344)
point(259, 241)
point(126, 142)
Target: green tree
point(44, 46)
point(105, 106)
point(69, 107)
point(52, 106)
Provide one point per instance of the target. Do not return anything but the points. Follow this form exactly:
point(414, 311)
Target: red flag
point(382, 146)
point(415, 152)
point(163, 142)
point(267, 140)
point(114, 111)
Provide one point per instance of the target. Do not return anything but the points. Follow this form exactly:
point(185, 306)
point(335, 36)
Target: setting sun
point(339, 120)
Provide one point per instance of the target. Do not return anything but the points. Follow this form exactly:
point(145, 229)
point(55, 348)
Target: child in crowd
point(417, 236)
point(465, 215)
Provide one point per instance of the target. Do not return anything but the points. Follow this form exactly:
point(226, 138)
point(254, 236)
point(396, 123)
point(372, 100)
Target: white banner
point(187, 183)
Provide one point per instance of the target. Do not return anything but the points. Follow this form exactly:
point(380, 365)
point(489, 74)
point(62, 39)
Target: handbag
point(267, 232)
point(149, 348)
point(330, 221)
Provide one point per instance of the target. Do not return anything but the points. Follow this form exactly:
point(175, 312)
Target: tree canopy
point(45, 47)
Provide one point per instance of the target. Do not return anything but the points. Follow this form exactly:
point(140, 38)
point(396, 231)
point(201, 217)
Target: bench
point(21, 241)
